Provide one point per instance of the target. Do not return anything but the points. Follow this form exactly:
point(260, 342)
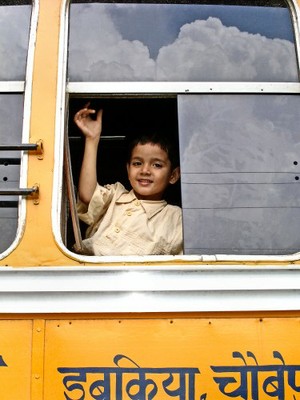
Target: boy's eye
point(136, 163)
point(157, 165)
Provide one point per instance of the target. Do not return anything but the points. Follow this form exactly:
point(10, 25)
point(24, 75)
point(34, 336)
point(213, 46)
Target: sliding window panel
point(240, 165)
point(15, 24)
point(11, 115)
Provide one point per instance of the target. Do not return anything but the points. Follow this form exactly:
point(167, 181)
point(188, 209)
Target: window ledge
point(149, 289)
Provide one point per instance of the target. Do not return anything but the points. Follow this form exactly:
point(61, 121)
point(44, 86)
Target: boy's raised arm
point(91, 128)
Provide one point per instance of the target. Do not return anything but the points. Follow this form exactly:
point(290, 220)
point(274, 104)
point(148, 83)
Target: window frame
point(25, 88)
point(65, 90)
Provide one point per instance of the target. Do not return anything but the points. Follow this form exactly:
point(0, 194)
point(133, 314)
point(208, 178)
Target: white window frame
point(65, 89)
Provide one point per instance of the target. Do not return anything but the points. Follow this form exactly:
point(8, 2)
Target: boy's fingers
point(99, 114)
point(84, 113)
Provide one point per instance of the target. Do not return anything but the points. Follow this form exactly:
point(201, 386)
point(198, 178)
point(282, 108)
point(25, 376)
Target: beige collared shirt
point(120, 224)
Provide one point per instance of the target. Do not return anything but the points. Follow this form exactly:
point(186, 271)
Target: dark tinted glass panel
point(240, 173)
point(181, 42)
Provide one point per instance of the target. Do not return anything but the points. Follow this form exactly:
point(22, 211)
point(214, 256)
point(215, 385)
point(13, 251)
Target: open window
point(123, 118)
point(222, 74)
point(15, 17)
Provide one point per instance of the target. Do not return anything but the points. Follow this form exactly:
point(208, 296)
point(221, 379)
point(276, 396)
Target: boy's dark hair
point(169, 145)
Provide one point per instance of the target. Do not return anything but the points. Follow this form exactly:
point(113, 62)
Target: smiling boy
point(121, 222)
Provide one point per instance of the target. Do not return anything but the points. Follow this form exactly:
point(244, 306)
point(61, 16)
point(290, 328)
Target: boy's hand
point(91, 128)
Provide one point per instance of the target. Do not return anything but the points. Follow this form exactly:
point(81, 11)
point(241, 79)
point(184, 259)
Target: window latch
point(32, 193)
point(34, 148)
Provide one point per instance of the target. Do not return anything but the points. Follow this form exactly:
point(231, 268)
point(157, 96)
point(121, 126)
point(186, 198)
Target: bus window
point(181, 42)
point(122, 120)
point(148, 57)
point(240, 173)
point(9, 165)
point(14, 26)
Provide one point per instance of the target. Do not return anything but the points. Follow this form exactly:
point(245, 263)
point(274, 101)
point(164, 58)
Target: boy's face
point(150, 172)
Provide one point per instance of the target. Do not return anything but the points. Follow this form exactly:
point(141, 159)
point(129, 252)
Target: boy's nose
point(145, 169)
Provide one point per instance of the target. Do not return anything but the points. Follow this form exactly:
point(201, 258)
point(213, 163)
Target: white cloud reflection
point(204, 50)
point(209, 50)
point(239, 133)
point(239, 160)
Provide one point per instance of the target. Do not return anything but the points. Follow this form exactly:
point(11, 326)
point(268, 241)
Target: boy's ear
point(175, 175)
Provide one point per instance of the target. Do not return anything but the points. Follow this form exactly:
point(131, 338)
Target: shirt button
point(137, 203)
point(129, 212)
point(117, 230)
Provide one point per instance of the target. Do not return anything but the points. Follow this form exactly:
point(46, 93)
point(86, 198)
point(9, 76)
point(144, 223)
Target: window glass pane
point(240, 173)
point(181, 42)
point(11, 115)
point(14, 36)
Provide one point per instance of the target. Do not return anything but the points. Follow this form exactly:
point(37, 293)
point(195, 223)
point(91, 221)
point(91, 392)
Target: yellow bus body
point(77, 349)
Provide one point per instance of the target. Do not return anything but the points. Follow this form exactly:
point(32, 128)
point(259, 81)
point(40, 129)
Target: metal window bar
point(19, 192)
point(8, 203)
point(33, 192)
point(17, 147)
point(37, 148)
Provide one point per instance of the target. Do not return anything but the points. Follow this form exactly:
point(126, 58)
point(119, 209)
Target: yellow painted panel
point(15, 362)
point(122, 359)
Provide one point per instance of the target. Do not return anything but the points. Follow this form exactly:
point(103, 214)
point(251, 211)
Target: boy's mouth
point(144, 181)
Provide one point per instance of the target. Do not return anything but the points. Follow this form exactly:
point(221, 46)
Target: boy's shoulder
point(172, 209)
point(113, 186)
point(116, 187)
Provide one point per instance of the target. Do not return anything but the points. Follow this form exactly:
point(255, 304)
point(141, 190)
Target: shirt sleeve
point(93, 212)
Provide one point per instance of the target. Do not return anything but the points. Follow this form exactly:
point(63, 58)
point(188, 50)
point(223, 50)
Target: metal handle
point(32, 193)
point(14, 147)
point(37, 148)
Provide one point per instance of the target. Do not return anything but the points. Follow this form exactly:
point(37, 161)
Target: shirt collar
point(151, 207)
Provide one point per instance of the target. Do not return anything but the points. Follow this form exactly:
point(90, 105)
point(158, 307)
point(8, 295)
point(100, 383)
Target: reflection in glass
point(11, 115)
point(240, 173)
point(180, 42)
point(14, 37)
